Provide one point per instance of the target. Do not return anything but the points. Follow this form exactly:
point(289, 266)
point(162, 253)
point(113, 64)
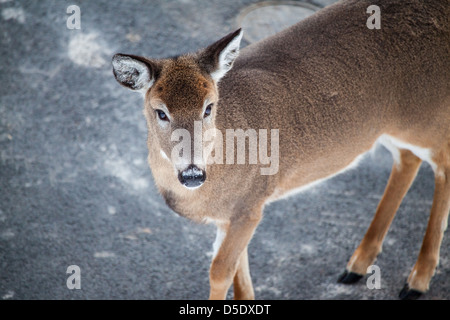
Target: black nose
point(192, 176)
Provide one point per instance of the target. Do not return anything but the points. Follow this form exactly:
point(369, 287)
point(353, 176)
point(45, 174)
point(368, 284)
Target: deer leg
point(403, 172)
point(242, 283)
point(424, 269)
point(231, 260)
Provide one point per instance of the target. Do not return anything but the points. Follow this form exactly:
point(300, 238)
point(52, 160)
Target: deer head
point(180, 100)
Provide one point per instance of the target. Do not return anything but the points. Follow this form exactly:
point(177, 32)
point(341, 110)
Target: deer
point(334, 89)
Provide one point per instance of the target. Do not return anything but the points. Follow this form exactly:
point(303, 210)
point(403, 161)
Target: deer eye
point(162, 115)
point(208, 110)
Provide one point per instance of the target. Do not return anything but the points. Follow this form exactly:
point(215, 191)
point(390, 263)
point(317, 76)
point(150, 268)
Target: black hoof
point(349, 277)
point(409, 294)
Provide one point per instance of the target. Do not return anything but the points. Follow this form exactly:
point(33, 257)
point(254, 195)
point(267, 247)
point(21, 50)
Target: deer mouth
point(192, 177)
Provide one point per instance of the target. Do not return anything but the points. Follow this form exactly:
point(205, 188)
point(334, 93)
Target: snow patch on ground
point(85, 49)
point(16, 14)
point(104, 254)
point(122, 170)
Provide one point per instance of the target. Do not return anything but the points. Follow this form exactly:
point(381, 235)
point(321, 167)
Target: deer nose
point(192, 176)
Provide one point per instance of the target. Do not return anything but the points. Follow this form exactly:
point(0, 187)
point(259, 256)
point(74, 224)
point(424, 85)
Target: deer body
point(333, 88)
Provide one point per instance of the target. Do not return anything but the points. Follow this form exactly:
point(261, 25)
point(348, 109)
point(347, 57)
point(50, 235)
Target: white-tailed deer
point(332, 88)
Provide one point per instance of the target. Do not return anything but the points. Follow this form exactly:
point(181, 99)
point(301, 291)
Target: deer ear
point(218, 58)
point(134, 72)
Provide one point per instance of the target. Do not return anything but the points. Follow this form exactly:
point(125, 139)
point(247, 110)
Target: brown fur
point(332, 87)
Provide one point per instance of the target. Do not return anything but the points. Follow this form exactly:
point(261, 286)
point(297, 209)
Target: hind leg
point(404, 170)
point(420, 276)
point(243, 288)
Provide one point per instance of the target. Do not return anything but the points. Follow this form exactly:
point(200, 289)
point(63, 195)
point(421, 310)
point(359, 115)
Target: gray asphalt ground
point(75, 188)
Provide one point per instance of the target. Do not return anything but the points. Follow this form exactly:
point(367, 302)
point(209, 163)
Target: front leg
point(232, 254)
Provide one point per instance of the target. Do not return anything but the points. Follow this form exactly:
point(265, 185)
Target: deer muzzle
point(192, 176)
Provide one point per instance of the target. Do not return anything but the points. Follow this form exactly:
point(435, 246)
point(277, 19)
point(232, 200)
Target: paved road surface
point(75, 188)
